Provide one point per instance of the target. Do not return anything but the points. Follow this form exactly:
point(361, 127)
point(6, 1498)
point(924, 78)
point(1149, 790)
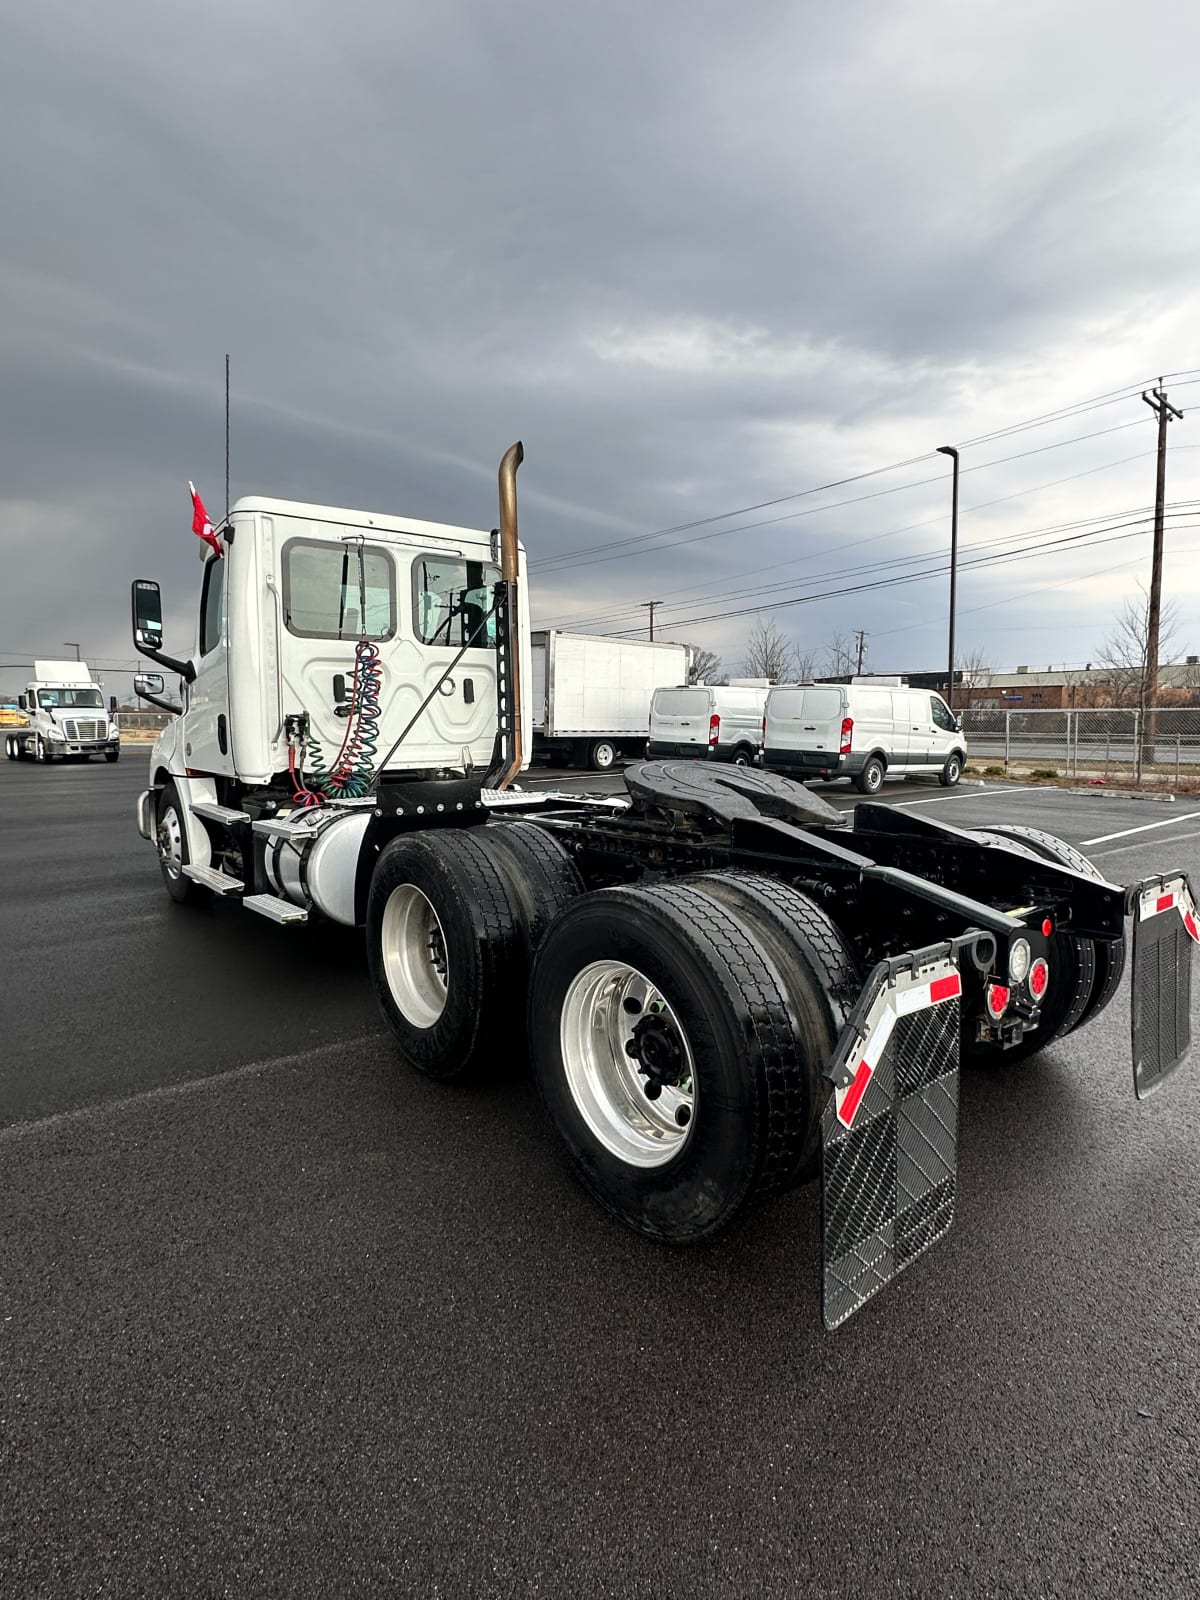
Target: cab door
point(451, 594)
point(208, 747)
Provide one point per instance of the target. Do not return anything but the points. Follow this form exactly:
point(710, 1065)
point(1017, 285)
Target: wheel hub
point(657, 1048)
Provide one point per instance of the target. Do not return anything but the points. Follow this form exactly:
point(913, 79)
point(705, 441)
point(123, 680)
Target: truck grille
point(76, 730)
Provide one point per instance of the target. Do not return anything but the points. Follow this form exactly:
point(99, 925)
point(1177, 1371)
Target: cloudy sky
point(698, 256)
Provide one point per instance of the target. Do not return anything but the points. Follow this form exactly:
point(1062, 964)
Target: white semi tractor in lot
point(725, 987)
point(591, 695)
point(65, 717)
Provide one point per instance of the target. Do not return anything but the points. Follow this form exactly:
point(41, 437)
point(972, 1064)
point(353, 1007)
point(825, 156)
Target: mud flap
point(1165, 929)
point(889, 1132)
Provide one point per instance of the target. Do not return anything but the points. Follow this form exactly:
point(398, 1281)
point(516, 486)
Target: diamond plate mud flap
point(1165, 930)
point(889, 1132)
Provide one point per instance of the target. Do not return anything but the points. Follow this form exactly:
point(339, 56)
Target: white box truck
point(64, 716)
point(591, 694)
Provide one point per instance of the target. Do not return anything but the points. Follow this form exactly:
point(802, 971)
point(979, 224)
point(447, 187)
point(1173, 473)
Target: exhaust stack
point(508, 633)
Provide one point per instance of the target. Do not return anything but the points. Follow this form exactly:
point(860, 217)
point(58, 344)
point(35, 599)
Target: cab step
point(212, 812)
point(270, 905)
point(212, 878)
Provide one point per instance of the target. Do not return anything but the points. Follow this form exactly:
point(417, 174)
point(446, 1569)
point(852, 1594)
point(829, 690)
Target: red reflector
point(1047, 928)
point(855, 1093)
point(1189, 923)
point(714, 729)
point(1039, 977)
point(997, 999)
point(847, 734)
point(1164, 902)
point(945, 988)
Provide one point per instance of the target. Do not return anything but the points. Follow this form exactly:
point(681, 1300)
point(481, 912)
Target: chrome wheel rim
point(639, 1118)
point(170, 842)
point(604, 756)
point(413, 952)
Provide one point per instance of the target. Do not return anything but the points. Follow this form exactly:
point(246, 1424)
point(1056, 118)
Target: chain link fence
point(1102, 742)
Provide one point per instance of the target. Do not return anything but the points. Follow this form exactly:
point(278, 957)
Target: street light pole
point(949, 450)
point(71, 645)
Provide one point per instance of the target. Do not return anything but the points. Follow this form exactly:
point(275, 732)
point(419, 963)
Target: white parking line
point(1144, 844)
point(1103, 838)
point(982, 794)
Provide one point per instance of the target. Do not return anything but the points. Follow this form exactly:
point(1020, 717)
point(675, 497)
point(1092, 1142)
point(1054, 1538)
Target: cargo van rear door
point(821, 714)
point(680, 717)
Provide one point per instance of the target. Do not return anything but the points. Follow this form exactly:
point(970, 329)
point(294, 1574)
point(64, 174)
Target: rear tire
point(602, 756)
point(870, 779)
point(743, 756)
point(10, 749)
point(680, 975)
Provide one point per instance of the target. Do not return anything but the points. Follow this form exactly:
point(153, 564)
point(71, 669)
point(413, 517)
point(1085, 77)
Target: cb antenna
point(227, 437)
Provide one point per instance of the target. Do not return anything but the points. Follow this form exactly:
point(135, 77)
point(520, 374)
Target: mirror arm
point(185, 669)
point(157, 700)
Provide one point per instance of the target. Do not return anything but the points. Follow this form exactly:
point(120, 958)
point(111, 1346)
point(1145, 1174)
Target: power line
point(1062, 414)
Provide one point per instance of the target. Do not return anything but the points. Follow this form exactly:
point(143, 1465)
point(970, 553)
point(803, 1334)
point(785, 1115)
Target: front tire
point(951, 772)
point(173, 853)
point(112, 756)
point(41, 752)
point(665, 1054)
point(870, 779)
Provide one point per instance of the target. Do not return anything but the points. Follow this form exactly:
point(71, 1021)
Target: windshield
point(71, 699)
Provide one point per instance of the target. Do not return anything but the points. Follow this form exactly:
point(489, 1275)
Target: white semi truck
point(591, 695)
point(724, 986)
point(65, 717)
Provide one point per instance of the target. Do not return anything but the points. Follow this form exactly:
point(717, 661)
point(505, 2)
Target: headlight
point(1018, 960)
point(57, 733)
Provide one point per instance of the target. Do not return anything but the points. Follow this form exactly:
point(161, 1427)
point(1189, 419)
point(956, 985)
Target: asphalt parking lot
point(279, 1317)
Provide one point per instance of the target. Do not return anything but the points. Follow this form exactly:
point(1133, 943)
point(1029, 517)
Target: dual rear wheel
point(678, 1032)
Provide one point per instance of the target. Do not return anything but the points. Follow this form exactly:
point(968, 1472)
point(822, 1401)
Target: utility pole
point(949, 450)
point(1157, 400)
point(71, 645)
point(649, 605)
point(861, 636)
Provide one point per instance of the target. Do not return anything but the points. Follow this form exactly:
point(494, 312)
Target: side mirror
point(958, 724)
point(147, 614)
point(148, 683)
point(21, 702)
point(112, 705)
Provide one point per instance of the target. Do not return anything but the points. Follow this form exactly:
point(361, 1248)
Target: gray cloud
point(696, 255)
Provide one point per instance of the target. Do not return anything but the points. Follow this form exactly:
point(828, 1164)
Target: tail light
point(1039, 977)
point(997, 1000)
point(762, 743)
point(714, 729)
point(847, 734)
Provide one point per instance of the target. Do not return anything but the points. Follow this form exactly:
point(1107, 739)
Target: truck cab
point(63, 715)
point(306, 609)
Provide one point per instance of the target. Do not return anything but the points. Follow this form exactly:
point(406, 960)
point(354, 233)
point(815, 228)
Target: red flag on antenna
point(201, 523)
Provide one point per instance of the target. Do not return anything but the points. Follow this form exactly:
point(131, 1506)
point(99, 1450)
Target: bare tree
point(806, 666)
point(841, 654)
point(705, 665)
point(769, 653)
point(976, 668)
point(1123, 652)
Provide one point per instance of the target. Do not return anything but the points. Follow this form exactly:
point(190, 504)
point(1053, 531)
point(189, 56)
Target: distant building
point(1056, 689)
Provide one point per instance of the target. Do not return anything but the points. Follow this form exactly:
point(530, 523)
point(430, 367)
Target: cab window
point(212, 605)
point(943, 717)
point(321, 591)
point(451, 597)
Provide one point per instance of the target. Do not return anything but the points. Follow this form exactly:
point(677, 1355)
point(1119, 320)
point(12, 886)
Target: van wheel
point(665, 1054)
point(870, 779)
point(951, 772)
point(743, 756)
point(602, 755)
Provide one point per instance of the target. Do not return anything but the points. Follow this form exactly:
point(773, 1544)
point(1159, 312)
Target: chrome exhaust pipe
point(509, 663)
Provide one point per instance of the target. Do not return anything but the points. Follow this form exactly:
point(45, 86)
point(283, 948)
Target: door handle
point(810, 727)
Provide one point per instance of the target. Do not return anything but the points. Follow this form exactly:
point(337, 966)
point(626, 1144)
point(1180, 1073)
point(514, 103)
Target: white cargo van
point(861, 731)
point(711, 722)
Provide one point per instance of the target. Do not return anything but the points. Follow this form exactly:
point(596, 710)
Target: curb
point(1124, 794)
